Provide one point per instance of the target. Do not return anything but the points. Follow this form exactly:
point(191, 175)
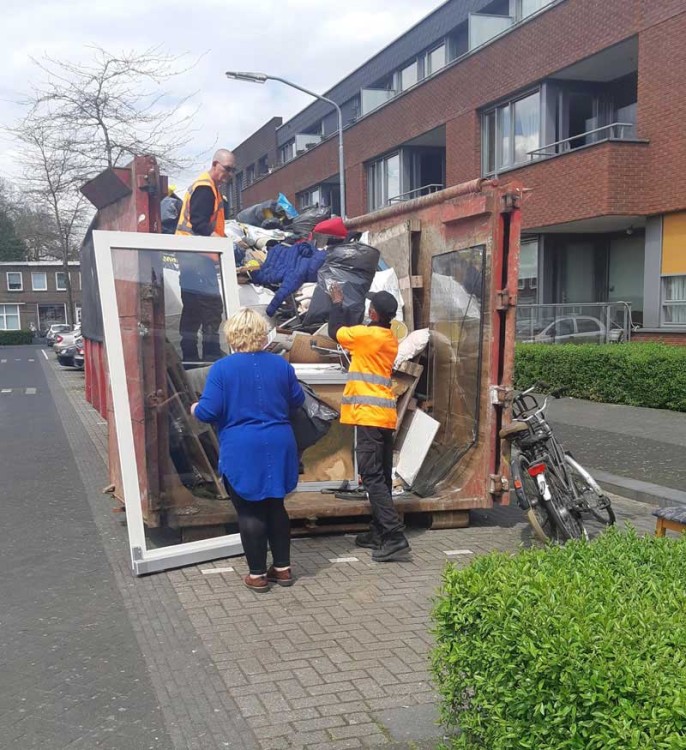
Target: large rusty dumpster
point(455, 254)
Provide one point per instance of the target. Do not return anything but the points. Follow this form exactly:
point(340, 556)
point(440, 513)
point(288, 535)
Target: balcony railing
point(617, 131)
point(416, 193)
point(583, 323)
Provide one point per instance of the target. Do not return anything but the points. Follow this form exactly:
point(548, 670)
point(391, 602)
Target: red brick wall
point(606, 179)
point(676, 338)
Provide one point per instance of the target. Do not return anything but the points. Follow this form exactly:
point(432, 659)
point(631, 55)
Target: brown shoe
point(282, 577)
point(260, 584)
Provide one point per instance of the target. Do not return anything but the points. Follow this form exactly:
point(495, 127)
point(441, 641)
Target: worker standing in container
point(202, 214)
point(369, 404)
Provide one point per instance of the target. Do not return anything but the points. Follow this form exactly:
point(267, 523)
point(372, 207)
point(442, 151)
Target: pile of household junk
point(286, 262)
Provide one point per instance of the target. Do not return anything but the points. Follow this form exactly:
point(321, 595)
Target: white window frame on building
point(263, 165)
point(39, 287)
point(673, 271)
point(403, 83)
point(287, 152)
point(4, 315)
point(500, 148)
point(12, 285)
point(63, 274)
point(250, 174)
point(309, 197)
point(429, 67)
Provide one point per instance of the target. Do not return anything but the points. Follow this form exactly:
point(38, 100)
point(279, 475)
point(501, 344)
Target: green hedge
point(651, 375)
point(581, 646)
point(8, 338)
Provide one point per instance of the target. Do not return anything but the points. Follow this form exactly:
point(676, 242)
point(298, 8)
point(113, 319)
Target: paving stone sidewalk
point(337, 661)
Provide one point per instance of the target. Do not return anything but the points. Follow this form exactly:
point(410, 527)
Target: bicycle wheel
point(567, 518)
point(530, 501)
point(597, 501)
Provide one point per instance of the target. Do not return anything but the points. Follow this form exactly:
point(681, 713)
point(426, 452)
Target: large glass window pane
point(527, 122)
point(488, 146)
point(409, 76)
point(437, 59)
point(61, 281)
point(504, 137)
point(674, 300)
point(373, 98)
point(482, 28)
point(528, 272)
point(392, 176)
point(9, 317)
point(14, 281)
point(39, 281)
point(531, 6)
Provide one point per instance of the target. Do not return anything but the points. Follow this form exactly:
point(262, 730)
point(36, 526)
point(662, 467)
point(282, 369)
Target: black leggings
point(259, 522)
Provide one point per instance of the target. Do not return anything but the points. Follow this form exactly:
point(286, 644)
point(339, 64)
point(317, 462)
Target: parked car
point(78, 354)
point(577, 329)
point(65, 356)
point(66, 339)
point(54, 330)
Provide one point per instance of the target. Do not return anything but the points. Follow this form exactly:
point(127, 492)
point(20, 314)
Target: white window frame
point(427, 66)
point(33, 281)
point(3, 316)
point(143, 559)
point(21, 280)
point(669, 303)
point(371, 170)
point(57, 285)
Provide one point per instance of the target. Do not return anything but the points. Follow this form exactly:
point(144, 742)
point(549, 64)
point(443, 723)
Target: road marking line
point(6, 390)
point(44, 353)
point(343, 559)
point(214, 571)
point(17, 359)
point(3, 361)
point(32, 360)
point(455, 552)
point(30, 391)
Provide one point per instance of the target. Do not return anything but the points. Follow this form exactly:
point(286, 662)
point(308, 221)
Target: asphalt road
point(72, 673)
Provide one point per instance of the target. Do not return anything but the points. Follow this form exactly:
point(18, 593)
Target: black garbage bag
point(312, 420)
point(353, 266)
point(307, 220)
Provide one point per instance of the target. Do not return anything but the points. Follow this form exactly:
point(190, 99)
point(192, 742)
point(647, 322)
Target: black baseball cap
point(384, 303)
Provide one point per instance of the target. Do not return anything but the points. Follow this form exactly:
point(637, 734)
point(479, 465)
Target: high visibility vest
point(368, 400)
point(217, 218)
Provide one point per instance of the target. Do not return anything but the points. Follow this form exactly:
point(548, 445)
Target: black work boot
point(392, 547)
point(370, 539)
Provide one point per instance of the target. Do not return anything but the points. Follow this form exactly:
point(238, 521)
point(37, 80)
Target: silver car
point(54, 330)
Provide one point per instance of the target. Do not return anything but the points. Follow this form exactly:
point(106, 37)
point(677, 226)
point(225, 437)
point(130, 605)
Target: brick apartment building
point(583, 101)
point(35, 292)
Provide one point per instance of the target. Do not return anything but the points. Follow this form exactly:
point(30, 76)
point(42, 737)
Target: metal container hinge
point(498, 484)
point(504, 300)
point(500, 395)
point(510, 202)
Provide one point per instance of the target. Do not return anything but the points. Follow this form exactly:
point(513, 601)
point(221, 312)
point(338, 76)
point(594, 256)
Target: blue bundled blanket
point(290, 267)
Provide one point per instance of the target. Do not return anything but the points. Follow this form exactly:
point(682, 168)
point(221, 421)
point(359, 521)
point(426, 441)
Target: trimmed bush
point(650, 374)
point(579, 646)
point(10, 338)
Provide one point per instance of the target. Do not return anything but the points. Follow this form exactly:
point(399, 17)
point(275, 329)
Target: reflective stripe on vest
point(385, 403)
point(366, 377)
point(217, 217)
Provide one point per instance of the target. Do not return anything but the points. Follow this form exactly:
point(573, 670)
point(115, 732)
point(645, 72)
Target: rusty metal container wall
point(474, 226)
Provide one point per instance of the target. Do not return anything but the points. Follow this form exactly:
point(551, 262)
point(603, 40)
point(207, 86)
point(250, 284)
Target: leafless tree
point(34, 225)
point(115, 107)
point(52, 176)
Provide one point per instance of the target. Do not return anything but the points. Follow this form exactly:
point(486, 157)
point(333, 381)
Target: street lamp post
point(262, 78)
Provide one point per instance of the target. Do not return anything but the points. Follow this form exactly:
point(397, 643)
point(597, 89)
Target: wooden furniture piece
point(672, 519)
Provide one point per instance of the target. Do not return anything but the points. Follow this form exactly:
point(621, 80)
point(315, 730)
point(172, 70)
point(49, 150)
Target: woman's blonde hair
point(246, 331)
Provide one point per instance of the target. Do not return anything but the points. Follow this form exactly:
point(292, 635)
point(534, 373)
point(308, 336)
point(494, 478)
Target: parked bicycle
point(554, 489)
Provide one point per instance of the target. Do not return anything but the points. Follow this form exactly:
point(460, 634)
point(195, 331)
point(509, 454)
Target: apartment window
point(528, 271)
point(510, 132)
point(383, 181)
point(409, 76)
point(436, 59)
point(9, 318)
point(528, 7)
point(287, 152)
point(307, 198)
point(39, 281)
point(15, 281)
point(674, 270)
point(263, 166)
point(250, 175)
point(61, 281)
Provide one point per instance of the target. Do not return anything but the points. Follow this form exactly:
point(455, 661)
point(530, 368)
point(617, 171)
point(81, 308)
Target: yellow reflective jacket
point(368, 400)
point(216, 219)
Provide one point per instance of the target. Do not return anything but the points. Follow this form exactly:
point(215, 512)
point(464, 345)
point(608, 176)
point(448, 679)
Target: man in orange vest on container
point(369, 404)
point(202, 214)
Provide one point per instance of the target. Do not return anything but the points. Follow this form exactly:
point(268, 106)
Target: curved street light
point(263, 78)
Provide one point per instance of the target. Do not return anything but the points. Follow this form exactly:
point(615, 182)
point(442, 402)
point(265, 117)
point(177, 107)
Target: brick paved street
point(338, 661)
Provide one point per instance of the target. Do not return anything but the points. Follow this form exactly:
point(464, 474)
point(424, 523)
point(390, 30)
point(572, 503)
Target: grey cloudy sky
point(308, 41)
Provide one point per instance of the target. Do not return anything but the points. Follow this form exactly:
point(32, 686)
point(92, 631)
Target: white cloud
point(307, 41)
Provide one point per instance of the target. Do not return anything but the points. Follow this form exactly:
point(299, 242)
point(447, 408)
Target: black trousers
point(261, 522)
point(200, 311)
point(375, 465)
